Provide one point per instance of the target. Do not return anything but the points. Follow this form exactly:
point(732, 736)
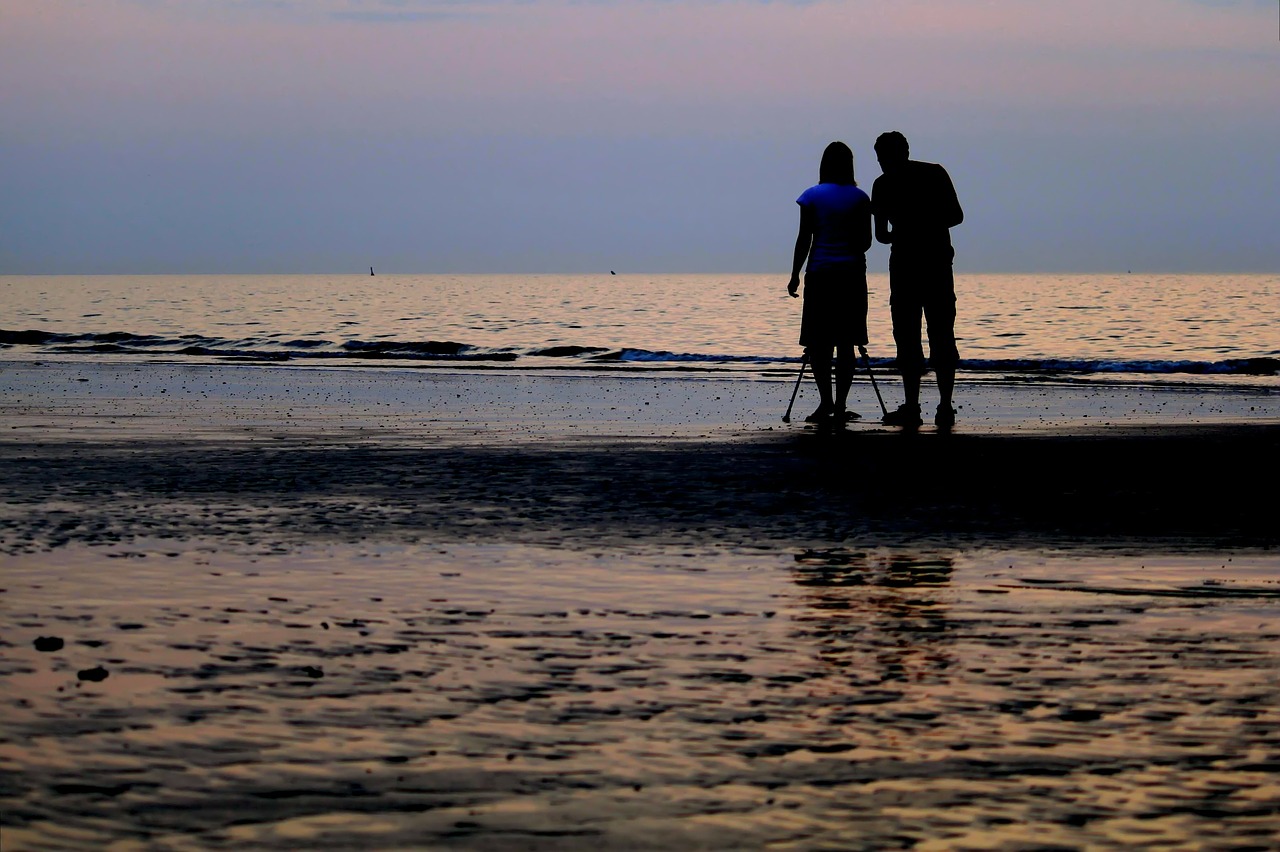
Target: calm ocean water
point(1194, 328)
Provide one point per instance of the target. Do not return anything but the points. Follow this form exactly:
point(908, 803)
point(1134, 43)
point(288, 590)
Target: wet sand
point(487, 611)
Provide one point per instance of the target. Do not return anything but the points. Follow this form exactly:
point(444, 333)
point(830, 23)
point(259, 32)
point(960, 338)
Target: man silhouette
point(915, 206)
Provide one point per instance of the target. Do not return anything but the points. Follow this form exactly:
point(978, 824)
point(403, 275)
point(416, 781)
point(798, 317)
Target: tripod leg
point(804, 362)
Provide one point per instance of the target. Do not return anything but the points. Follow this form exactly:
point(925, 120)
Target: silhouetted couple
point(914, 206)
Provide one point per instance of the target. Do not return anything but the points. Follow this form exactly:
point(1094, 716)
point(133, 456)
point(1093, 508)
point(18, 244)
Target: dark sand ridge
point(1187, 486)
point(520, 612)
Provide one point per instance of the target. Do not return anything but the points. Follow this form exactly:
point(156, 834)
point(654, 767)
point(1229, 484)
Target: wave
point(650, 356)
point(267, 349)
point(1226, 367)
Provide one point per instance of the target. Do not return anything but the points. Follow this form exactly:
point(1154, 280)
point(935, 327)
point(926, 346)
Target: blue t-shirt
point(841, 215)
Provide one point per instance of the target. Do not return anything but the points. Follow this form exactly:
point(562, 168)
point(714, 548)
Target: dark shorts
point(835, 306)
point(923, 288)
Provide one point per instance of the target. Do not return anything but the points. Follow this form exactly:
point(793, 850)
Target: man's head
point(892, 150)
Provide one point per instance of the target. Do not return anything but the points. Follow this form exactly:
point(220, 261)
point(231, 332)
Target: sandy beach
point(308, 608)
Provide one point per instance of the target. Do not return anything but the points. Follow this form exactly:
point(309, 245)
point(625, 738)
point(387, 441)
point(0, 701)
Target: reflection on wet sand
point(889, 606)
point(425, 697)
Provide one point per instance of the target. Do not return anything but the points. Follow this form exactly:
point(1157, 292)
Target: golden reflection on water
point(1001, 316)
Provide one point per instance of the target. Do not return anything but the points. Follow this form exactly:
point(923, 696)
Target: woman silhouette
point(835, 233)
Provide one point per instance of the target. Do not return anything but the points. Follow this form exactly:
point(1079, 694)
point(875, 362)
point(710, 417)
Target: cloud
point(408, 11)
point(397, 17)
point(413, 11)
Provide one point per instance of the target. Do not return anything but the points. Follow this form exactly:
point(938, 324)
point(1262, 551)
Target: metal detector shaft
point(786, 418)
point(874, 386)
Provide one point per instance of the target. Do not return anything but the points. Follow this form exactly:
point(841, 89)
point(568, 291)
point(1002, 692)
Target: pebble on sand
point(95, 674)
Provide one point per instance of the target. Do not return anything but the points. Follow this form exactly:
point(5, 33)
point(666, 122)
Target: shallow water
point(429, 695)
point(1212, 328)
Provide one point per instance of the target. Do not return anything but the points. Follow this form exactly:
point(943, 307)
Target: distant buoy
point(611, 272)
point(370, 270)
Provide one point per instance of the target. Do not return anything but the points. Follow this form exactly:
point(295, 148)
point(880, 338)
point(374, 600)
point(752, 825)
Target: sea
point(1198, 329)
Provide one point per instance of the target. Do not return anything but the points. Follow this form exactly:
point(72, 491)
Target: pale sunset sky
point(277, 136)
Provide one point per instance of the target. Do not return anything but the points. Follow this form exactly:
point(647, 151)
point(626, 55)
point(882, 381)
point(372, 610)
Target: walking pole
point(867, 360)
point(804, 360)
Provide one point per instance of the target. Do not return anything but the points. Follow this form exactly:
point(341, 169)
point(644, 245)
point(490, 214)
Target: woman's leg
point(844, 375)
point(820, 362)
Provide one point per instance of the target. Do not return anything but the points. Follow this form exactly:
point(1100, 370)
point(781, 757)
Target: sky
point(457, 136)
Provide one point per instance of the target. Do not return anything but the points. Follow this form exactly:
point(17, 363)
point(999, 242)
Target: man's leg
point(940, 314)
point(911, 388)
point(945, 417)
point(946, 383)
point(906, 313)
